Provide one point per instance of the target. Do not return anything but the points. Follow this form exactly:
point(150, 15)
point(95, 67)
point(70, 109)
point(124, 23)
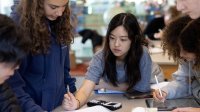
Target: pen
point(158, 88)
point(68, 89)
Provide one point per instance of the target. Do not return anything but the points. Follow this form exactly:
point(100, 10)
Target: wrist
point(78, 103)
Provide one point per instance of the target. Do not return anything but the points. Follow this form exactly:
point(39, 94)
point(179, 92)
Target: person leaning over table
point(191, 8)
point(187, 77)
point(124, 62)
point(40, 83)
point(13, 47)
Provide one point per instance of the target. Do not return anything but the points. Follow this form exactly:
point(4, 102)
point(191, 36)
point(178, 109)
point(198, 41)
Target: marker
point(158, 88)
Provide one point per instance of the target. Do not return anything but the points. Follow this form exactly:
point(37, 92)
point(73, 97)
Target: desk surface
point(162, 59)
point(127, 105)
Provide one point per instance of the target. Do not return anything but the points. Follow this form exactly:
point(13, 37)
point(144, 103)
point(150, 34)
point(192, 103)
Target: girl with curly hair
point(182, 39)
point(40, 83)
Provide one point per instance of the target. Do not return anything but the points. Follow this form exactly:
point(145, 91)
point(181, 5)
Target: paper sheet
point(92, 109)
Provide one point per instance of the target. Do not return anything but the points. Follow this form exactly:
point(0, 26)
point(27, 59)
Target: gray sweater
point(180, 86)
point(96, 67)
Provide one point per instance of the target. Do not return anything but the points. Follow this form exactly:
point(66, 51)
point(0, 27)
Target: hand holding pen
point(69, 101)
point(158, 94)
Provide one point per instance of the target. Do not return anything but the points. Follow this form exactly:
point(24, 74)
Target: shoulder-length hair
point(34, 24)
point(189, 40)
point(132, 59)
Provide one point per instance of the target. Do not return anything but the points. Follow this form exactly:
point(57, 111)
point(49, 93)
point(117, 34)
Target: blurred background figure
point(97, 39)
point(158, 23)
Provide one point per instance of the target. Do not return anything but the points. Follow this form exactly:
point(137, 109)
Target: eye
point(52, 6)
point(123, 39)
point(111, 38)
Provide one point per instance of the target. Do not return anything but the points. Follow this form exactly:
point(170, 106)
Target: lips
point(116, 50)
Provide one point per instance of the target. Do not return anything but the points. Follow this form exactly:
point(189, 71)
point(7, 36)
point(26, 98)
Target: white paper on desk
point(159, 85)
point(93, 109)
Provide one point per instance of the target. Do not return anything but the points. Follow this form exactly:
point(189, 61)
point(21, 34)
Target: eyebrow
point(119, 36)
point(57, 5)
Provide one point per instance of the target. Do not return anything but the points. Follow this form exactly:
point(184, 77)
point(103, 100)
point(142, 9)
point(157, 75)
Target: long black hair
point(132, 59)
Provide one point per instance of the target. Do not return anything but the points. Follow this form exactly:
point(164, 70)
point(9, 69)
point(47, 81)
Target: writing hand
point(70, 102)
point(158, 97)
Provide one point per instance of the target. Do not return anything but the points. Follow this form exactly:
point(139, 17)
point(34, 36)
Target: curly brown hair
point(170, 37)
point(189, 40)
point(34, 24)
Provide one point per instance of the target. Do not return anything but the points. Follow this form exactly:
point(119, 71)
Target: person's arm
point(72, 102)
point(85, 91)
point(17, 84)
point(68, 79)
point(93, 75)
point(179, 86)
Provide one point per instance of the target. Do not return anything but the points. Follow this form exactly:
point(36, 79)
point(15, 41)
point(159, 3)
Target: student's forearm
point(81, 97)
point(84, 92)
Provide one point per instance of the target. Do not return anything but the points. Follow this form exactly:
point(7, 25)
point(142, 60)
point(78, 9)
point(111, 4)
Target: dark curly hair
point(132, 59)
point(13, 44)
point(170, 37)
point(34, 24)
point(189, 40)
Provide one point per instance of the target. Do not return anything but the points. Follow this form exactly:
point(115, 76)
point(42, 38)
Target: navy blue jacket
point(44, 78)
point(40, 83)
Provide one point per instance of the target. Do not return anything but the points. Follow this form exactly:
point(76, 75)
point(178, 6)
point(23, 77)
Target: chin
point(1, 82)
point(194, 16)
point(51, 19)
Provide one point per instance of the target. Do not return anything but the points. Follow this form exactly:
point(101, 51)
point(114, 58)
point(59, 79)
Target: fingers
point(158, 97)
point(69, 102)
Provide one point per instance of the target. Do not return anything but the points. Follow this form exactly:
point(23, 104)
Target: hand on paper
point(187, 109)
point(70, 102)
point(157, 96)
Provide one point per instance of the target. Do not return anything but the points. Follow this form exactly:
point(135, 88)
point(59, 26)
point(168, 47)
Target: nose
point(60, 11)
point(179, 5)
point(117, 42)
